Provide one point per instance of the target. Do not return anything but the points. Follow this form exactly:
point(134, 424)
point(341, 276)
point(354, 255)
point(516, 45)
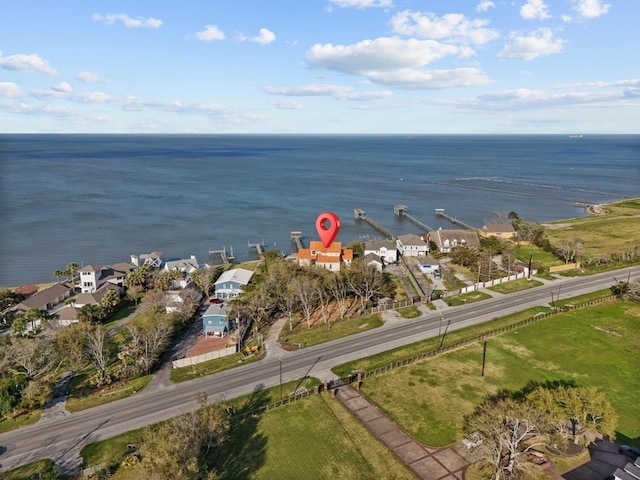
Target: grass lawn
point(464, 298)
point(315, 438)
point(27, 418)
point(539, 256)
point(320, 333)
point(107, 394)
point(212, 366)
point(515, 285)
point(408, 351)
point(594, 347)
point(34, 470)
point(409, 312)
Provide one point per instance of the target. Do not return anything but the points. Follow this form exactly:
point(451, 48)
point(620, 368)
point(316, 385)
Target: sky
point(320, 66)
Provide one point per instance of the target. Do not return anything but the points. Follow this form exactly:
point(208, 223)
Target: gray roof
point(37, 300)
point(378, 244)
point(238, 275)
point(465, 237)
point(372, 257)
point(411, 239)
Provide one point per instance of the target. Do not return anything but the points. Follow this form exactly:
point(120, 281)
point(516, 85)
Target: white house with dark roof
point(411, 245)
point(185, 265)
point(92, 277)
point(448, 239)
point(386, 250)
point(231, 282)
point(375, 260)
point(175, 299)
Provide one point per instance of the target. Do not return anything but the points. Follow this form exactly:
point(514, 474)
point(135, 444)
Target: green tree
point(137, 277)
point(58, 273)
point(110, 302)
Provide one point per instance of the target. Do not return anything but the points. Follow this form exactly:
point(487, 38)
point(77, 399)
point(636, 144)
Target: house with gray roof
point(215, 321)
point(48, 298)
point(386, 250)
point(231, 282)
point(184, 265)
point(92, 277)
point(411, 245)
point(447, 240)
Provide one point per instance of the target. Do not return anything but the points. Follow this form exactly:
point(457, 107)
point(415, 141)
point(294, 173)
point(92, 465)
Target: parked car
point(215, 300)
point(629, 451)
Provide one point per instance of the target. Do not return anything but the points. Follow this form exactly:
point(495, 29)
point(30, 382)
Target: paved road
point(55, 437)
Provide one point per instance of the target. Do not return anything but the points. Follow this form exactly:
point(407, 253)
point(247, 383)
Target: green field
point(593, 347)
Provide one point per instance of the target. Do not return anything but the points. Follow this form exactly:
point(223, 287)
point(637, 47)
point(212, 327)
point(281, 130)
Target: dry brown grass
point(617, 229)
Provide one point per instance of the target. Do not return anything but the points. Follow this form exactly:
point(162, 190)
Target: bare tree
point(98, 347)
point(146, 343)
point(504, 425)
point(338, 286)
point(569, 250)
point(305, 288)
point(155, 298)
point(31, 357)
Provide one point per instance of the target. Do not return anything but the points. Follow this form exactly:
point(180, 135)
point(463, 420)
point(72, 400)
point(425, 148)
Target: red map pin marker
point(327, 233)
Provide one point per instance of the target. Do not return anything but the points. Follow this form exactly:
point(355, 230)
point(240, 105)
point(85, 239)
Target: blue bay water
point(99, 198)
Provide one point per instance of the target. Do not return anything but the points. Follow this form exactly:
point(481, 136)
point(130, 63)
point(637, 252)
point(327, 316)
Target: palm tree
point(71, 270)
point(58, 273)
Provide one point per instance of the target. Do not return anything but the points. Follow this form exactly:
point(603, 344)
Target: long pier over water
point(403, 211)
point(360, 215)
point(440, 213)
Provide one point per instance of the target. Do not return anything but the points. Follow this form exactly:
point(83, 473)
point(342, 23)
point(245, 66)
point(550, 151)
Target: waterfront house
point(330, 258)
point(94, 298)
point(384, 249)
point(231, 282)
point(215, 322)
point(500, 230)
point(447, 240)
point(184, 265)
point(92, 277)
point(48, 298)
point(153, 259)
point(27, 290)
point(411, 245)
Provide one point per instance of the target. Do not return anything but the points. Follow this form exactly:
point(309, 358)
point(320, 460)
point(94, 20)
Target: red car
point(215, 300)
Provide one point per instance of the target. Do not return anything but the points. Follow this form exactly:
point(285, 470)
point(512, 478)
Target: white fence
point(188, 361)
point(491, 283)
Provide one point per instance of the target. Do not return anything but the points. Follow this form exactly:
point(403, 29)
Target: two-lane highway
point(52, 438)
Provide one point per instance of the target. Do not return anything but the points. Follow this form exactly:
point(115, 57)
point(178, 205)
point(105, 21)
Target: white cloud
point(591, 8)
point(89, 77)
point(381, 54)
point(210, 33)
point(265, 37)
point(311, 90)
point(9, 90)
point(361, 3)
point(485, 5)
point(339, 92)
point(26, 63)
point(127, 21)
point(63, 87)
point(538, 43)
point(416, 79)
point(534, 10)
point(286, 104)
point(452, 26)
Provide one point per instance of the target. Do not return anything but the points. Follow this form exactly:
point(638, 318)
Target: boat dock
point(296, 237)
point(454, 220)
point(222, 255)
point(359, 214)
point(403, 211)
point(259, 247)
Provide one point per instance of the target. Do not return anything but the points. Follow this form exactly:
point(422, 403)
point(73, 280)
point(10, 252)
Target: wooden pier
point(224, 258)
point(403, 211)
point(454, 220)
point(296, 237)
point(259, 247)
point(361, 215)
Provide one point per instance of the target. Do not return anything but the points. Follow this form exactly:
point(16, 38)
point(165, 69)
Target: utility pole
point(280, 379)
point(484, 357)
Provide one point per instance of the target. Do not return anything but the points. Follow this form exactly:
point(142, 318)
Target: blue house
point(231, 282)
point(215, 322)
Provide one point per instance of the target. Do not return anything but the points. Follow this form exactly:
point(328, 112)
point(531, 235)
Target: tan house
point(329, 258)
point(500, 230)
point(447, 240)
